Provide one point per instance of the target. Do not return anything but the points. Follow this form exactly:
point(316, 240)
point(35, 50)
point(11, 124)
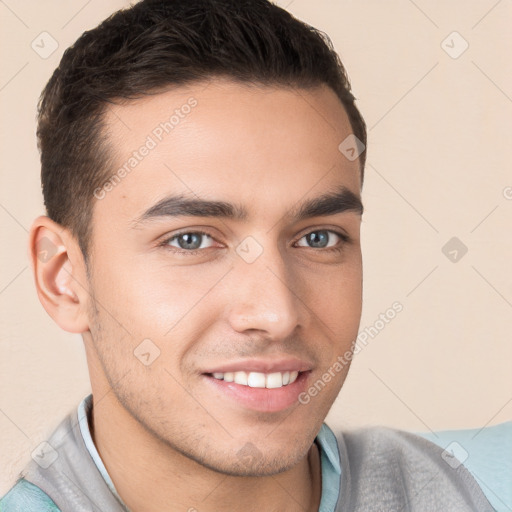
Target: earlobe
point(59, 274)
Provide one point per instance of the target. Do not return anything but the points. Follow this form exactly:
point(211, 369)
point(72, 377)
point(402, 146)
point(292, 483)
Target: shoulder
point(27, 497)
point(384, 442)
point(379, 449)
point(402, 464)
point(487, 454)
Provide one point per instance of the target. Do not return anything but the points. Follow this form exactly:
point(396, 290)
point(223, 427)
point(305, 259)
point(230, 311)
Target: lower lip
point(262, 399)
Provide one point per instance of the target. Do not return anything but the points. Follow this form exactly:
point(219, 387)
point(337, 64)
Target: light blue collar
point(331, 469)
point(84, 411)
point(326, 440)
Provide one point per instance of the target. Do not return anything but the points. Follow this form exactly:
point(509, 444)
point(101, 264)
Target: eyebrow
point(331, 203)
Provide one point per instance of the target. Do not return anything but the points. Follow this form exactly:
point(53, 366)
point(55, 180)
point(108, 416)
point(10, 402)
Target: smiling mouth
point(268, 392)
point(272, 380)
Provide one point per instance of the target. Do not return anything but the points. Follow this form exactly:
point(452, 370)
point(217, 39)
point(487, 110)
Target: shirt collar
point(326, 440)
point(84, 414)
point(331, 469)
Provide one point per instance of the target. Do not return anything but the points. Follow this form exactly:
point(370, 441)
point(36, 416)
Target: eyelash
point(344, 240)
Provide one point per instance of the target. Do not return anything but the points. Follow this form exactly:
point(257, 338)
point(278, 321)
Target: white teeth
point(241, 378)
point(257, 379)
point(274, 380)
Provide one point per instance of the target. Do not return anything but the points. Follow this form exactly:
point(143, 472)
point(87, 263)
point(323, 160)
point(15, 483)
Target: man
point(202, 166)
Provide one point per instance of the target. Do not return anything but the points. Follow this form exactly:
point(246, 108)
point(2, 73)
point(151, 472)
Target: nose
point(263, 297)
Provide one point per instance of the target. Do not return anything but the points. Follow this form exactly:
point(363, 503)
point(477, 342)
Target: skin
point(168, 440)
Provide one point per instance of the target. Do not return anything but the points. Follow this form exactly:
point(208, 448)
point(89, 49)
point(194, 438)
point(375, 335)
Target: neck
point(151, 476)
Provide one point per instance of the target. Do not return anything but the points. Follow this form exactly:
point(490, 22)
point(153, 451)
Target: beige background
point(440, 139)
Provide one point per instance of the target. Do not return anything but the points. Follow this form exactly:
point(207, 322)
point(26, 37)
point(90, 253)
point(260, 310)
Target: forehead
point(262, 146)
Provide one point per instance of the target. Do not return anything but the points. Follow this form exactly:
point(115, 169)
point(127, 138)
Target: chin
point(257, 467)
point(247, 460)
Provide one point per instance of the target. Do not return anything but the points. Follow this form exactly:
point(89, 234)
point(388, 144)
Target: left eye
point(320, 238)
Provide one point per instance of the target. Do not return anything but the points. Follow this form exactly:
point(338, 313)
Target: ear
point(60, 275)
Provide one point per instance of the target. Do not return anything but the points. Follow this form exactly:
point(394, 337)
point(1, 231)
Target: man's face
point(271, 293)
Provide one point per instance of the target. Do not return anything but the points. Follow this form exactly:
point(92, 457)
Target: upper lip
point(284, 364)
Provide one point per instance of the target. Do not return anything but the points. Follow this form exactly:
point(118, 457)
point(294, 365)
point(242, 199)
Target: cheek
point(335, 296)
point(153, 296)
point(336, 299)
